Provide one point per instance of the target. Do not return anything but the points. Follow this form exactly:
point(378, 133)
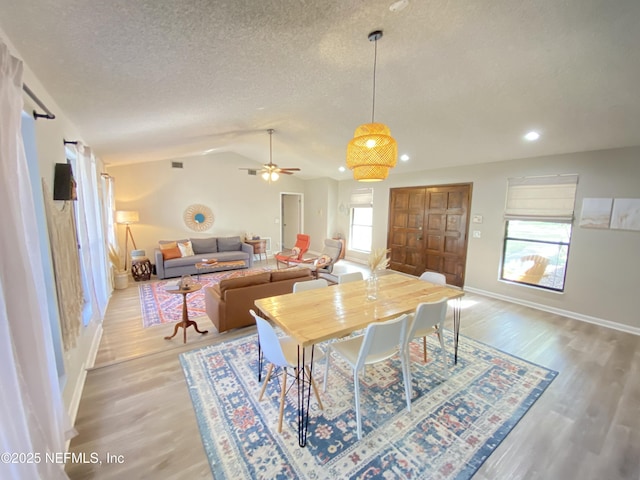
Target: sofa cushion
point(229, 244)
point(186, 249)
point(278, 275)
point(231, 256)
point(245, 281)
point(181, 262)
point(204, 245)
point(170, 250)
point(169, 242)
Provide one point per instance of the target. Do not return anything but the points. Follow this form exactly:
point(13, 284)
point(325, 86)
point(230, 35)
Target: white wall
point(603, 270)
point(320, 211)
point(240, 203)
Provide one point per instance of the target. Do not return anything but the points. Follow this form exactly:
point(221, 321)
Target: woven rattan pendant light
point(372, 151)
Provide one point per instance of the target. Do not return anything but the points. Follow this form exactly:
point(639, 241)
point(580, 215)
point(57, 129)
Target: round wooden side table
point(185, 323)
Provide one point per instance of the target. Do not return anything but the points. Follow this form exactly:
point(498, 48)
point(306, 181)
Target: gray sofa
point(223, 249)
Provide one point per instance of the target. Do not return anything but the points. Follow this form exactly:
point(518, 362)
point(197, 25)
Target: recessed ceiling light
point(342, 169)
point(399, 5)
point(404, 157)
point(532, 136)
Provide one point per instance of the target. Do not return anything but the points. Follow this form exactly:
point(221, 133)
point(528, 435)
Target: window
point(535, 253)
point(539, 215)
point(361, 229)
point(361, 223)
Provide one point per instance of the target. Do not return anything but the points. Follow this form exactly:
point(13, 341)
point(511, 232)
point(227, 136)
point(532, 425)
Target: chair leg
point(356, 388)
point(266, 380)
point(406, 373)
point(326, 369)
point(315, 389)
point(444, 357)
point(283, 394)
point(424, 346)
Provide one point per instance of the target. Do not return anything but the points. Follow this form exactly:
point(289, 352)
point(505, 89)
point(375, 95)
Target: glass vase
point(372, 286)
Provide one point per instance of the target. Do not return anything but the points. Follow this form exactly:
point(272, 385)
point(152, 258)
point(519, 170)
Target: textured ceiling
point(459, 82)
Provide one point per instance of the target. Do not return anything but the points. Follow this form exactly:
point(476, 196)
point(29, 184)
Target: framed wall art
point(626, 214)
point(596, 212)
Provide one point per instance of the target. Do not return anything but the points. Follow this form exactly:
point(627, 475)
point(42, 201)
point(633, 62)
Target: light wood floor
point(585, 426)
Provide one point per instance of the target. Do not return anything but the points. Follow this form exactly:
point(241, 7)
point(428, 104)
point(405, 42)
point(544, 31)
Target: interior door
point(428, 230)
point(406, 236)
point(291, 218)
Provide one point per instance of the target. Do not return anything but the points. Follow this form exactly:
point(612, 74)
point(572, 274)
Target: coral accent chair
point(296, 254)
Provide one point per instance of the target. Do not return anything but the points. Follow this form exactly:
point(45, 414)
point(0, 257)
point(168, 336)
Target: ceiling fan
point(270, 171)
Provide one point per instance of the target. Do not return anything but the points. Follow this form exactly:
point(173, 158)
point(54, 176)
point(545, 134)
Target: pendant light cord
point(375, 61)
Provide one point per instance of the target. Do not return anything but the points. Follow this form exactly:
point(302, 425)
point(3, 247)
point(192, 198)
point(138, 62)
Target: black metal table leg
point(457, 307)
point(259, 362)
point(303, 410)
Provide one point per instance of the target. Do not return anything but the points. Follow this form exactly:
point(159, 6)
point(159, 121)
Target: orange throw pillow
point(170, 250)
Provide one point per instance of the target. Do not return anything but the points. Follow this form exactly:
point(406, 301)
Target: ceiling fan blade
point(284, 172)
point(291, 169)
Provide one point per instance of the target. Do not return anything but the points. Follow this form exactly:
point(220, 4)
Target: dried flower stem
point(378, 259)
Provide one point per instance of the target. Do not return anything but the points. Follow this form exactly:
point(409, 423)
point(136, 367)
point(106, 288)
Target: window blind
point(541, 198)
point(362, 198)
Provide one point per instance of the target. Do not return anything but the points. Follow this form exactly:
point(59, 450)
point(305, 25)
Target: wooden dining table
point(314, 316)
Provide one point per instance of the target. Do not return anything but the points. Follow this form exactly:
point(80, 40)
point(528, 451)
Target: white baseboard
point(95, 345)
point(558, 311)
point(88, 363)
point(361, 261)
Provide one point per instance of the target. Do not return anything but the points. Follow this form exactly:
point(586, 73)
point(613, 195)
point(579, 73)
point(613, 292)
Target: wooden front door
point(428, 230)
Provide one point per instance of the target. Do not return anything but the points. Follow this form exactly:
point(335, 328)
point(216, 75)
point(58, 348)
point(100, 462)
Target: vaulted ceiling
point(458, 82)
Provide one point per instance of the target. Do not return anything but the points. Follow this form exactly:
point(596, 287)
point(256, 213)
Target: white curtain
point(109, 215)
point(89, 215)
point(32, 415)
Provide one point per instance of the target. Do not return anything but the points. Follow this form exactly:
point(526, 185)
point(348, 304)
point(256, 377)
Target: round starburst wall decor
point(198, 217)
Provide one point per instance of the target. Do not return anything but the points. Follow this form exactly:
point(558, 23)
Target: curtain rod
point(36, 115)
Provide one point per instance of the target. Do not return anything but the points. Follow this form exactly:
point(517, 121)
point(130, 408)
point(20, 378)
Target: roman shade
point(362, 197)
point(545, 198)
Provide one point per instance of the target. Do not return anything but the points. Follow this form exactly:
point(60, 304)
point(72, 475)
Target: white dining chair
point(350, 277)
point(309, 285)
point(427, 316)
point(381, 341)
point(434, 277)
point(438, 279)
point(282, 352)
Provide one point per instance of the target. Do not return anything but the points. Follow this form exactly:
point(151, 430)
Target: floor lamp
point(127, 217)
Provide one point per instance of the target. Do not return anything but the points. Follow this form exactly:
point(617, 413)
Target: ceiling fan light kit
point(373, 151)
point(270, 176)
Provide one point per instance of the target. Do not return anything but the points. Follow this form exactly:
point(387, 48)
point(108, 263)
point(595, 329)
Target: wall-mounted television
point(64, 185)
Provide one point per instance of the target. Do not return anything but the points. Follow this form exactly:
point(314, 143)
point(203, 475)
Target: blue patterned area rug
point(453, 427)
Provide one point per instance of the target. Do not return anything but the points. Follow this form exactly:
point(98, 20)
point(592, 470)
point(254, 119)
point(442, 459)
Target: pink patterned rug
point(159, 306)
